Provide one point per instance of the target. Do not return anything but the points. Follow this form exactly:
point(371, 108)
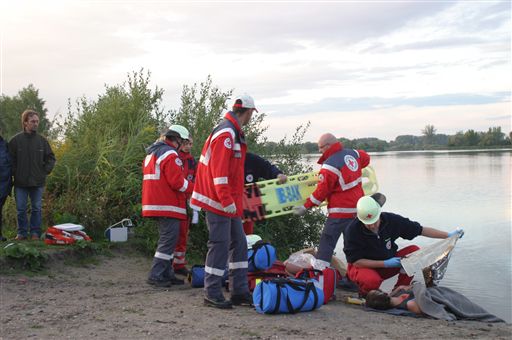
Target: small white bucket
point(118, 232)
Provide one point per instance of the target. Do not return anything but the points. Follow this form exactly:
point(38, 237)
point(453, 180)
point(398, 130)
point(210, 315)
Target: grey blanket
point(446, 304)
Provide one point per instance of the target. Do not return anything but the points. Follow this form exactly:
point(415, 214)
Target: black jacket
point(256, 168)
point(5, 170)
point(32, 159)
point(361, 243)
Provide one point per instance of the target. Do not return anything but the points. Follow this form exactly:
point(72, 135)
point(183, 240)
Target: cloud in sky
point(399, 63)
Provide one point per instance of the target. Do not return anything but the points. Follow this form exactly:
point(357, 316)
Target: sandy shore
point(110, 300)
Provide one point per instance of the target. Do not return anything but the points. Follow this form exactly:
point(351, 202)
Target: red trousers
point(248, 227)
point(371, 278)
point(181, 247)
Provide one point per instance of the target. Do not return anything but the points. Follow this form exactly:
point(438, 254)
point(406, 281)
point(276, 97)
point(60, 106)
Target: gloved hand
point(195, 217)
point(459, 231)
point(299, 210)
point(393, 262)
point(230, 209)
point(281, 178)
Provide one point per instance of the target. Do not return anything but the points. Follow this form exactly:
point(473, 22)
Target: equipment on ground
point(67, 233)
point(286, 295)
point(261, 256)
point(118, 232)
point(267, 199)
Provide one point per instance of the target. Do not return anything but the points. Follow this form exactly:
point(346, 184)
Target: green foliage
point(27, 256)
point(97, 179)
point(11, 109)
point(201, 109)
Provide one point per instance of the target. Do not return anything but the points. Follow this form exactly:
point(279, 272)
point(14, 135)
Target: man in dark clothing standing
point(255, 169)
point(5, 178)
point(32, 160)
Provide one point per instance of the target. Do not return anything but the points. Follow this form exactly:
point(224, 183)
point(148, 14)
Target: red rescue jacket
point(164, 187)
point(220, 172)
point(339, 181)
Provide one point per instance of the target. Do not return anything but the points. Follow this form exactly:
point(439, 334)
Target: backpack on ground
point(287, 295)
point(261, 256)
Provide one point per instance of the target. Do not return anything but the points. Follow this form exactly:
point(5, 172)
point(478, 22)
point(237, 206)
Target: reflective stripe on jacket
point(340, 180)
point(164, 187)
point(220, 172)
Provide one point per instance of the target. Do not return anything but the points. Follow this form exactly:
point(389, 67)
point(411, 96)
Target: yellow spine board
point(279, 199)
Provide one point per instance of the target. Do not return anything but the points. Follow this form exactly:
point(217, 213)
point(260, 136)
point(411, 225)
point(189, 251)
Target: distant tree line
point(429, 140)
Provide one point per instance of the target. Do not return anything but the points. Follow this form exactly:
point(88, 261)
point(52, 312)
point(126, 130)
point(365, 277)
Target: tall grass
point(97, 179)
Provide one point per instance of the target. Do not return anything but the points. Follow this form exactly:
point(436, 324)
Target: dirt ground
point(110, 300)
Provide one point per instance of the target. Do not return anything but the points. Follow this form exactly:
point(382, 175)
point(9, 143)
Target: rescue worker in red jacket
point(189, 171)
point(164, 195)
point(339, 181)
point(219, 190)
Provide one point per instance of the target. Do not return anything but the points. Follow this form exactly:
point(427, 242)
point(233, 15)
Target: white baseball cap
point(247, 102)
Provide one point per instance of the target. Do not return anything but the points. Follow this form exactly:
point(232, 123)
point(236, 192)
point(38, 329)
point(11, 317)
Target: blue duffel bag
point(287, 295)
point(196, 276)
point(261, 256)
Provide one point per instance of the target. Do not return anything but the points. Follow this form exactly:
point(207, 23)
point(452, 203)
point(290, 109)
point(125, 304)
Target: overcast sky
point(353, 68)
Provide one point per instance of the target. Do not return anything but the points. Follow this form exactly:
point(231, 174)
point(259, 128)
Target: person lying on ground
point(437, 302)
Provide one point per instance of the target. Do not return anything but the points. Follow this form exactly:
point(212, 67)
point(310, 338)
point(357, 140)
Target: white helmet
point(177, 130)
point(368, 210)
point(252, 239)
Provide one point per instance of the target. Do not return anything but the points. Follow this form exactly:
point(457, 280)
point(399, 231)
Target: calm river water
point(449, 189)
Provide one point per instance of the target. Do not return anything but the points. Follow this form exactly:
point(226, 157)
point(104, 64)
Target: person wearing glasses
point(340, 183)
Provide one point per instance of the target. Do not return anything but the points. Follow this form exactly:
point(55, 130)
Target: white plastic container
point(118, 232)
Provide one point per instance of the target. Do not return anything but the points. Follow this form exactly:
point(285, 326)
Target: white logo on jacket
point(178, 162)
point(249, 178)
point(351, 162)
point(227, 143)
point(388, 245)
point(321, 178)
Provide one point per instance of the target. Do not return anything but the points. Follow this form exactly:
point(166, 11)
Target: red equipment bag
point(277, 270)
point(59, 236)
point(326, 278)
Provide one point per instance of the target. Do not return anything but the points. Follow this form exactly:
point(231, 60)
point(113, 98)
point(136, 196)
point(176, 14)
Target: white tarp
point(433, 258)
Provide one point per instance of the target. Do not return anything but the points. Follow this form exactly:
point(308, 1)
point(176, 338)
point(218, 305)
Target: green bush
point(97, 179)
point(26, 256)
